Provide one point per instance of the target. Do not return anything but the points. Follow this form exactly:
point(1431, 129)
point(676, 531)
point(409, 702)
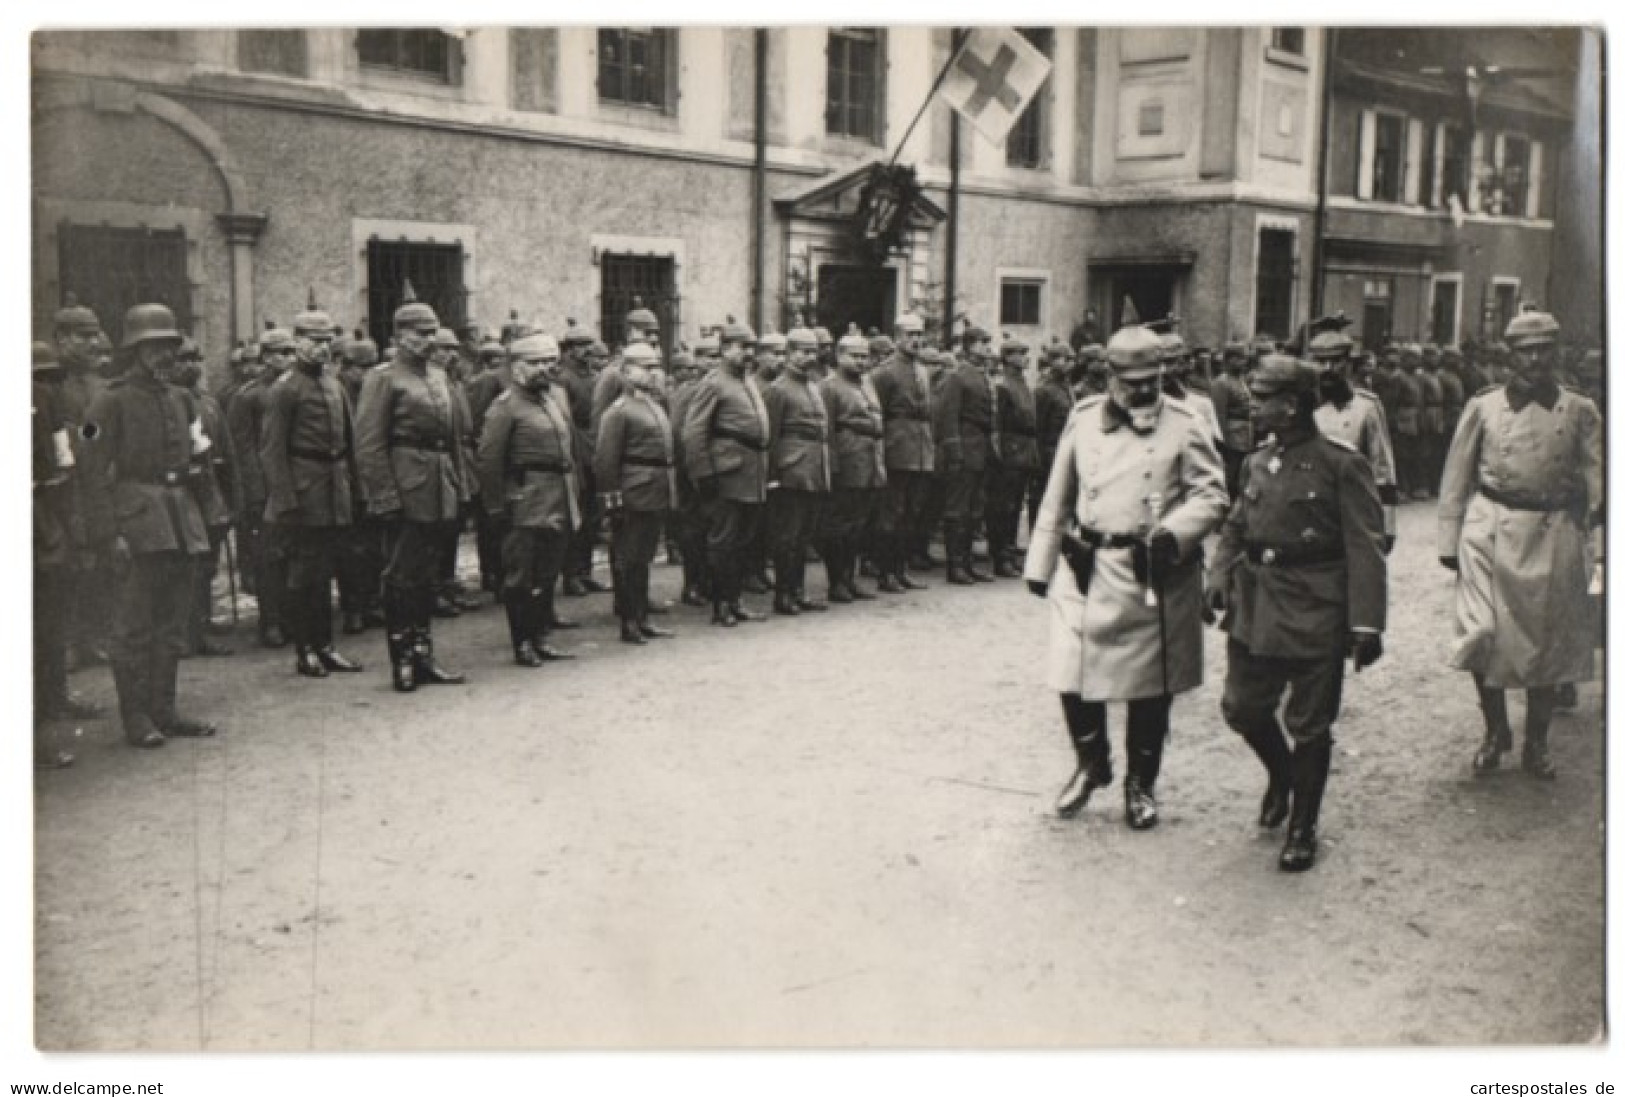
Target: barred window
point(636, 67)
point(852, 103)
point(425, 53)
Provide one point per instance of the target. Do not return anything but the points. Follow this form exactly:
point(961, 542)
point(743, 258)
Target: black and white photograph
point(750, 535)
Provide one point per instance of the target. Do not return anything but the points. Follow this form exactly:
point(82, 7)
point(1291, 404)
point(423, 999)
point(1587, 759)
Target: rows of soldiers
point(750, 453)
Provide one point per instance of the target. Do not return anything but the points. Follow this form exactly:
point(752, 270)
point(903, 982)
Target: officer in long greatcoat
point(307, 453)
point(1299, 573)
point(1522, 488)
point(724, 446)
point(141, 514)
point(635, 472)
point(527, 466)
point(1137, 485)
point(415, 480)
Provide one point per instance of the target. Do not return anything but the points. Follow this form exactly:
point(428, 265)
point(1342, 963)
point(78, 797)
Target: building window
point(1274, 282)
point(853, 98)
point(635, 67)
point(1388, 159)
point(1377, 317)
point(1151, 118)
point(1458, 151)
point(1446, 309)
point(1024, 148)
point(112, 269)
point(422, 53)
point(1021, 302)
point(638, 281)
point(276, 51)
point(436, 274)
point(1287, 39)
point(1503, 307)
point(1514, 177)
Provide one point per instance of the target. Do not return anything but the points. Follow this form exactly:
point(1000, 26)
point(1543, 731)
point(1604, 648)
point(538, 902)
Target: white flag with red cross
point(992, 79)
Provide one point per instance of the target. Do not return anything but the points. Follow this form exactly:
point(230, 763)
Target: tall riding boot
point(296, 620)
point(1270, 745)
point(1497, 727)
point(1311, 763)
point(904, 579)
point(520, 632)
point(1086, 727)
point(1147, 730)
point(1537, 761)
point(958, 550)
point(784, 585)
point(849, 568)
point(164, 668)
point(967, 556)
point(429, 672)
point(319, 623)
point(835, 580)
point(400, 634)
point(131, 679)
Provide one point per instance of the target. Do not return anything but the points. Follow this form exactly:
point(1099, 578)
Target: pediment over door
point(836, 198)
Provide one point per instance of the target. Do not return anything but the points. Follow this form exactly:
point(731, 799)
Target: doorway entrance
point(852, 294)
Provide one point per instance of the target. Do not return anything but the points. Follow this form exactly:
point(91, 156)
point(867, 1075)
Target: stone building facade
point(559, 173)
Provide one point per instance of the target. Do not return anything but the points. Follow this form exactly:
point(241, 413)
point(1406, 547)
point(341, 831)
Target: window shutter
point(1475, 168)
point(1412, 172)
point(1532, 201)
point(1367, 152)
point(1441, 135)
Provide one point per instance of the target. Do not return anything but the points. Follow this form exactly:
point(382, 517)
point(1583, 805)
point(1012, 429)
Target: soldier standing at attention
point(1522, 488)
point(963, 425)
point(1433, 438)
point(798, 475)
point(1407, 421)
point(1354, 416)
point(216, 491)
point(307, 453)
point(1052, 406)
point(636, 457)
point(263, 548)
point(1137, 485)
point(857, 461)
point(577, 383)
point(141, 512)
point(527, 464)
point(415, 481)
point(1018, 462)
point(53, 512)
point(687, 521)
point(724, 444)
point(903, 392)
point(1300, 576)
point(1232, 406)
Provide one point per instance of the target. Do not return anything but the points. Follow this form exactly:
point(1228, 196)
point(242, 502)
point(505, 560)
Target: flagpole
point(953, 55)
point(950, 280)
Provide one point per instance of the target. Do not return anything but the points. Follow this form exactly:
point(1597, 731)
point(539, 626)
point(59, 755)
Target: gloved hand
point(1214, 605)
point(1164, 554)
point(1450, 562)
point(1365, 648)
point(1039, 588)
point(1388, 540)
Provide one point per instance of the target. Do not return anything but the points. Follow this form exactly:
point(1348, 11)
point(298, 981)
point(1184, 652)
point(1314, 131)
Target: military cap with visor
point(575, 335)
point(1134, 352)
point(533, 347)
point(800, 338)
point(1531, 328)
point(735, 332)
point(771, 340)
point(1330, 346)
point(910, 321)
point(1277, 373)
point(641, 354)
point(74, 317)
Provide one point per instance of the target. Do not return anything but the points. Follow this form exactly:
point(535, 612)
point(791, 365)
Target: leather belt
point(318, 454)
point(746, 440)
point(560, 467)
point(166, 479)
point(805, 434)
point(1291, 556)
point(867, 432)
point(647, 462)
point(914, 415)
point(1096, 539)
point(435, 445)
point(1523, 502)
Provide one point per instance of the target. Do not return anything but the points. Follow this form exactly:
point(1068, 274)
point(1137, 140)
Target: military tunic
point(635, 465)
point(1521, 482)
point(725, 436)
point(902, 389)
point(528, 474)
point(1359, 422)
point(1018, 465)
point(1113, 481)
point(798, 463)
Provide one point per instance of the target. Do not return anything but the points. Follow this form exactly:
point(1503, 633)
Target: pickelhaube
point(1282, 373)
point(275, 339)
point(1013, 344)
point(533, 347)
point(852, 342)
point(1092, 352)
point(145, 323)
point(413, 313)
point(707, 345)
point(1173, 346)
point(975, 333)
point(74, 317)
point(1134, 352)
point(1330, 346)
point(44, 356)
point(574, 335)
point(735, 332)
point(641, 354)
point(445, 337)
point(801, 338)
point(1531, 328)
point(641, 317)
point(909, 321)
point(825, 339)
point(360, 351)
point(313, 323)
point(491, 348)
point(771, 341)
point(881, 346)
point(681, 359)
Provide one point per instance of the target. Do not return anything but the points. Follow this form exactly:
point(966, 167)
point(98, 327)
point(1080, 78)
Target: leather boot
point(1497, 728)
point(1311, 763)
point(334, 660)
point(957, 561)
point(835, 575)
point(1086, 727)
point(1537, 760)
point(429, 672)
point(783, 605)
point(306, 664)
point(1270, 745)
point(1147, 729)
point(165, 668)
point(399, 635)
point(722, 614)
point(856, 589)
point(519, 631)
point(130, 680)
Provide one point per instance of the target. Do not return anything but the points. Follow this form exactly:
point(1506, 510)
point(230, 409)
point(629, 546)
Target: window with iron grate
point(632, 281)
point(112, 269)
point(435, 272)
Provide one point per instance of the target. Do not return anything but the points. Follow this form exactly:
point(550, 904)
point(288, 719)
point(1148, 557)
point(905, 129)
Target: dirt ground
point(835, 831)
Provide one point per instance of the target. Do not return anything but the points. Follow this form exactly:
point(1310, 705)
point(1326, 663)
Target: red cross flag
point(994, 77)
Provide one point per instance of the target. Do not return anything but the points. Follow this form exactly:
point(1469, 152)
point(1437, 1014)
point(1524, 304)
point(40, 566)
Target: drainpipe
point(1317, 290)
point(951, 279)
point(758, 193)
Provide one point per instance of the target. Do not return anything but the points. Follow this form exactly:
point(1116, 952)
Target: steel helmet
point(145, 323)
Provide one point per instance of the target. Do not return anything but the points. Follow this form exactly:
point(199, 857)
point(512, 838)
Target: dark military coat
point(903, 390)
point(527, 461)
point(962, 420)
point(725, 435)
point(1017, 423)
point(307, 452)
point(798, 432)
point(139, 466)
point(857, 447)
point(636, 455)
point(408, 447)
